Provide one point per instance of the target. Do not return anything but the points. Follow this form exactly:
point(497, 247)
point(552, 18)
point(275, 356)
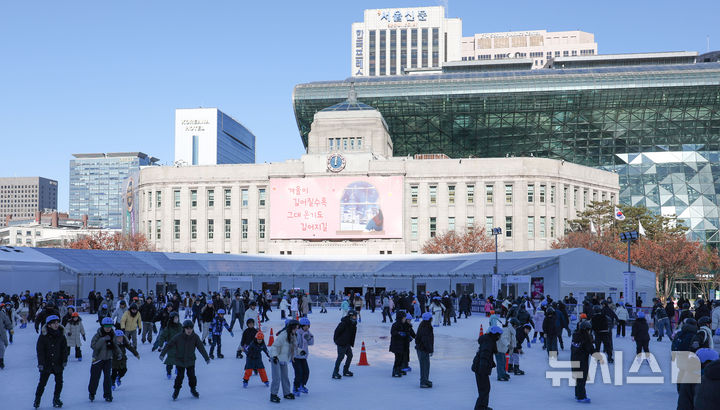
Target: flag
point(592, 227)
point(641, 230)
point(619, 215)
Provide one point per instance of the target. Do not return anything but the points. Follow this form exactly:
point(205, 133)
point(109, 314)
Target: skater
point(103, 312)
point(406, 347)
point(640, 333)
point(254, 350)
point(580, 351)
point(104, 351)
point(131, 324)
point(344, 338)
point(521, 333)
point(52, 355)
point(147, 314)
point(398, 336)
point(119, 367)
point(167, 334)
point(424, 345)
point(538, 318)
point(551, 331)
point(117, 315)
point(505, 345)
point(438, 310)
point(73, 332)
point(282, 352)
point(483, 364)
point(284, 308)
point(385, 301)
point(707, 393)
point(237, 310)
point(184, 345)
point(601, 328)
point(305, 339)
point(622, 315)
point(216, 328)
point(6, 327)
point(247, 337)
point(207, 314)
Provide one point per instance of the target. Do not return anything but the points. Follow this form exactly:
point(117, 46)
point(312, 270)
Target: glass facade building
point(656, 125)
point(97, 182)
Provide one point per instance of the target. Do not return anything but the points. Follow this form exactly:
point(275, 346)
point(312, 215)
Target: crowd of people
point(134, 318)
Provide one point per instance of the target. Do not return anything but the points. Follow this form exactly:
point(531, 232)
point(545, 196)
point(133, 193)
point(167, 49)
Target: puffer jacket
point(5, 326)
point(707, 393)
point(184, 348)
point(124, 347)
point(166, 335)
point(52, 350)
point(130, 323)
point(716, 318)
point(304, 340)
point(104, 346)
point(74, 332)
point(507, 341)
point(283, 348)
point(538, 319)
point(118, 314)
point(622, 313)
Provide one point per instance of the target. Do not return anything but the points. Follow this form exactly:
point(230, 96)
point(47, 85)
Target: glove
point(275, 360)
point(84, 340)
point(403, 334)
point(232, 334)
point(303, 353)
point(162, 357)
point(139, 332)
point(207, 361)
point(137, 355)
point(528, 344)
point(154, 348)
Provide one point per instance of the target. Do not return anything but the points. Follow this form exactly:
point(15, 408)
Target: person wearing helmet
point(103, 312)
point(52, 355)
point(172, 329)
point(344, 339)
point(704, 336)
point(254, 349)
point(119, 312)
point(105, 349)
point(183, 345)
point(424, 347)
point(282, 352)
point(305, 339)
point(74, 331)
point(716, 340)
point(119, 367)
point(483, 364)
point(640, 333)
point(707, 393)
point(581, 349)
point(41, 317)
point(216, 328)
point(505, 345)
point(131, 324)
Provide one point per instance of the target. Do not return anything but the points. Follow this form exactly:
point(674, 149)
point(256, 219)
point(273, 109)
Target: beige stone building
point(348, 195)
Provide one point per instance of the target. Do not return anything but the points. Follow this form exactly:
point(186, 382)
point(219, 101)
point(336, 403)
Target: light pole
point(629, 237)
point(496, 232)
point(629, 276)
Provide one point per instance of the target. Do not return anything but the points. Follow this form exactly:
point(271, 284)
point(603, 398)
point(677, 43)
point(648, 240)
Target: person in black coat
point(52, 356)
point(406, 348)
point(148, 313)
point(344, 338)
point(41, 317)
point(549, 327)
point(398, 336)
point(580, 351)
point(601, 328)
point(640, 334)
point(424, 346)
point(707, 393)
point(483, 364)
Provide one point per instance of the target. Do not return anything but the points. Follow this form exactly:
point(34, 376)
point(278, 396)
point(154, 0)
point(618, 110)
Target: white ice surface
point(220, 383)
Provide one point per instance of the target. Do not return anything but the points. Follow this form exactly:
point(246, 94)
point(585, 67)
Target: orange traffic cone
point(363, 357)
point(297, 316)
point(507, 361)
point(272, 338)
point(481, 330)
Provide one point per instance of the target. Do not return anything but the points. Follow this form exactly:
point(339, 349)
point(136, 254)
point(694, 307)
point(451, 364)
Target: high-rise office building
point(208, 136)
point(21, 197)
point(97, 182)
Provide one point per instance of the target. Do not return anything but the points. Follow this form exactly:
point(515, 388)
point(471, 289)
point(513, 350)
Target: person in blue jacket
point(216, 328)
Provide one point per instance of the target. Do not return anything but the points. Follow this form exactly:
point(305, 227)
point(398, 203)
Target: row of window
point(548, 54)
point(345, 144)
point(210, 229)
point(210, 196)
point(542, 194)
point(489, 225)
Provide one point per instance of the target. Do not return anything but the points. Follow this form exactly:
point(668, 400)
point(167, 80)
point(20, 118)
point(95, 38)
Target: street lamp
point(496, 232)
point(629, 276)
point(629, 237)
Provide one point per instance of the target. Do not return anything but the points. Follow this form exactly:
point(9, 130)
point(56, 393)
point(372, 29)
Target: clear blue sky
point(106, 76)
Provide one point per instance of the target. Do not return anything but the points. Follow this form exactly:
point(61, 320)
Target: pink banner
point(336, 207)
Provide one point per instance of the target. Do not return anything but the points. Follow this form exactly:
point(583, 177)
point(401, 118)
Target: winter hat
point(71, 307)
point(495, 330)
point(707, 355)
point(427, 316)
point(209, 302)
point(119, 333)
point(641, 315)
point(259, 335)
point(304, 321)
point(583, 316)
point(52, 318)
point(492, 312)
point(408, 316)
point(133, 306)
point(188, 324)
point(107, 322)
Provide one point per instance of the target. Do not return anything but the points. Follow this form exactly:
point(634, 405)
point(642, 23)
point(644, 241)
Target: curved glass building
point(653, 118)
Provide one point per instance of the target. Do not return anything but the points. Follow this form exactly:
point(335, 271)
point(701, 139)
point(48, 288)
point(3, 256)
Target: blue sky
point(106, 76)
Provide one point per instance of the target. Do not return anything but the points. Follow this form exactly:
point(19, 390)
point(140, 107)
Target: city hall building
point(350, 196)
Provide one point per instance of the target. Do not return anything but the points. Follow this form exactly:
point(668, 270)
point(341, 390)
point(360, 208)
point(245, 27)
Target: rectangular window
point(470, 222)
point(244, 228)
point(383, 57)
point(575, 197)
point(261, 228)
point(244, 198)
point(424, 42)
point(393, 52)
point(531, 193)
point(413, 48)
point(193, 229)
point(565, 192)
point(488, 194)
point(542, 226)
point(413, 227)
point(149, 199)
point(261, 193)
point(193, 198)
point(195, 149)
point(451, 194)
point(435, 48)
point(211, 228)
point(227, 229)
point(372, 53)
point(508, 194)
point(542, 194)
point(176, 198)
point(433, 226)
point(158, 198)
point(149, 235)
point(228, 198)
point(552, 226)
point(176, 228)
point(403, 48)
point(508, 226)
point(433, 194)
point(531, 227)
point(471, 194)
point(451, 223)
point(489, 225)
point(158, 229)
point(414, 194)
point(585, 198)
point(211, 198)
point(552, 194)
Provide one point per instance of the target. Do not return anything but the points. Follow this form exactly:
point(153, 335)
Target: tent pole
point(147, 284)
point(77, 289)
point(334, 289)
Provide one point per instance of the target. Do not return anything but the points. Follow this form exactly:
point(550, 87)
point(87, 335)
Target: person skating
point(424, 347)
point(707, 393)
point(344, 338)
point(6, 327)
point(406, 348)
point(117, 315)
point(104, 351)
point(282, 352)
point(216, 328)
point(505, 345)
point(237, 312)
point(207, 314)
point(640, 333)
point(183, 346)
point(75, 334)
point(538, 319)
point(601, 328)
point(254, 350)
point(398, 335)
point(483, 364)
point(119, 367)
point(247, 337)
point(41, 317)
point(131, 324)
point(622, 315)
point(147, 314)
point(438, 310)
point(103, 312)
point(551, 331)
point(305, 339)
point(52, 355)
point(172, 329)
point(521, 333)
point(580, 350)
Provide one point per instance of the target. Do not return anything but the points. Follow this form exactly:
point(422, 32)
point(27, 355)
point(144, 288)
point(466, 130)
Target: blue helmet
point(221, 311)
point(707, 355)
point(304, 321)
point(51, 318)
point(427, 316)
point(119, 333)
point(495, 330)
point(107, 322)
point(104, 305)
point(408, 316)
point(641, 315)
point(71, 307)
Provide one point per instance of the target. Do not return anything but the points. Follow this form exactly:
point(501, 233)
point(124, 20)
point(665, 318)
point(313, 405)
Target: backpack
point(682, 341)
point(700, 339)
